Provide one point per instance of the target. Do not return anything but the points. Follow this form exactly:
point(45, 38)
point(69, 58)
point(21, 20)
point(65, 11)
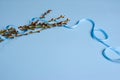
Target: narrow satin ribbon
point(102, 41)
point(93, 30)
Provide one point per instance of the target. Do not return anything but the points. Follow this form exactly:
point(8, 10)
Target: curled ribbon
point(53, 23)
point(102, 41)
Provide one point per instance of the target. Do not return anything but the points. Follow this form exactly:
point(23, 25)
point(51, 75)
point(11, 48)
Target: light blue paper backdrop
point(59, 53)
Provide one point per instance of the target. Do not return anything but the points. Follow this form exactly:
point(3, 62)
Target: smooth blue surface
point(59, 53)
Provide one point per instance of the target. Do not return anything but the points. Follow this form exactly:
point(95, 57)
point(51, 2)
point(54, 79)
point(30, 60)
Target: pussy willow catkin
point(36, 26)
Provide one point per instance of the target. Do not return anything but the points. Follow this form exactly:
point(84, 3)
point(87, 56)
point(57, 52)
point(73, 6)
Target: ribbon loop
point(97, 38)
point(105, 35)
point(115, 52)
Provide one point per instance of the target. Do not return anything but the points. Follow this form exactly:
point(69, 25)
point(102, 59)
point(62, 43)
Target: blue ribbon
point(93, 30)
point(102, 41)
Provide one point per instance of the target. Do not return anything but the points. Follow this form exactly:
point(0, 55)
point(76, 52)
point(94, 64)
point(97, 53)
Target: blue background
point(59, 53)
